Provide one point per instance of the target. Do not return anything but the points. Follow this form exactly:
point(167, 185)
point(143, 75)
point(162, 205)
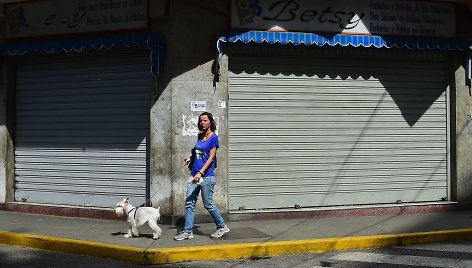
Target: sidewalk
point(104, 238)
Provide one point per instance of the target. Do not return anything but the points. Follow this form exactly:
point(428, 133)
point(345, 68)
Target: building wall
point(462, 171)
point(3, 139)
point(190, 34)
point(462, 181)
point(189, 75)
point(7, 101)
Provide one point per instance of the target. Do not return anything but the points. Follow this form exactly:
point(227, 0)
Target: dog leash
point(149, 199)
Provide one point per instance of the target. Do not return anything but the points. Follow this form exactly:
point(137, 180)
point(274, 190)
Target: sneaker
point(220, 232)
point(183, 236)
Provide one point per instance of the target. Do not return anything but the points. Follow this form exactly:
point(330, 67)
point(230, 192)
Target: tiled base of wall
point(247, 215)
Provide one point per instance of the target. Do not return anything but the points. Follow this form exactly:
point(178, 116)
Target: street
point(447, 255)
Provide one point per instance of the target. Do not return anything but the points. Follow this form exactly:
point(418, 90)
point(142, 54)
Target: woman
point(203, 172)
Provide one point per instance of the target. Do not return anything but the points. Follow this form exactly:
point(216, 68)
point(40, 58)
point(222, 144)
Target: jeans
point(207, 196)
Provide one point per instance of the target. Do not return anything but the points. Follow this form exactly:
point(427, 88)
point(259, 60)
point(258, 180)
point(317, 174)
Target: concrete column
point(462, 183)
point(7, 113)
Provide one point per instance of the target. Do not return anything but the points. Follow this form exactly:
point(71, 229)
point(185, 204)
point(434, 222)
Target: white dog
point(138, 216)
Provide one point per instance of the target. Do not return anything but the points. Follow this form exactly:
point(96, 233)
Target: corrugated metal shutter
point(82, 122)
point(333, 131)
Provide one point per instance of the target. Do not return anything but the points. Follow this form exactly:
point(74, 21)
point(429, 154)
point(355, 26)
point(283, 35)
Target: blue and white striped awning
point(148, 39)
point(299, 38)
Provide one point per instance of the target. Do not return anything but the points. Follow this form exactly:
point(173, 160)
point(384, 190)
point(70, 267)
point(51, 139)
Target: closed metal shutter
point(82, 126)
point(334, 131)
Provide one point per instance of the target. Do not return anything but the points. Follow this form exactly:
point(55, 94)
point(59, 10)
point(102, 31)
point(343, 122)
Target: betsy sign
point(391, 17)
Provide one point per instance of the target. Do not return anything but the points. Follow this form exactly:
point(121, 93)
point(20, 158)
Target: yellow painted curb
point(123, 253)
point(264, 249)
point(227, 251)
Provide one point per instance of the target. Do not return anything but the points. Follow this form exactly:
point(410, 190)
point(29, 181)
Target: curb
point(227, 251)
point(123, 253)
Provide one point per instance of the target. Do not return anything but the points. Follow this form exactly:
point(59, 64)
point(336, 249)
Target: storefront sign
point(406, 18)
point(74, 16)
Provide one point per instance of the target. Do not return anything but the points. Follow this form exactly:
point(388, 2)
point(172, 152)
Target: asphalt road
point(447, 255)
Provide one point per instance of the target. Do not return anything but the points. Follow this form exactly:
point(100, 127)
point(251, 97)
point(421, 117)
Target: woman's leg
point(207, 195)
point(190, 202)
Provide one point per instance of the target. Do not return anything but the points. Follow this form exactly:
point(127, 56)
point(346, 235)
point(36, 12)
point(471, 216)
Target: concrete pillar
point(462, 141)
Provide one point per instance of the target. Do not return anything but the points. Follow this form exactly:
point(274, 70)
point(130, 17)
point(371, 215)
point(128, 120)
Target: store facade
point(79, 81)
point(330, 107)
point(318, 105)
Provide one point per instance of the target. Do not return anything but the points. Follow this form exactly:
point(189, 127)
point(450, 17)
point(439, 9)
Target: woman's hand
point(197, 178)
point(186, 161)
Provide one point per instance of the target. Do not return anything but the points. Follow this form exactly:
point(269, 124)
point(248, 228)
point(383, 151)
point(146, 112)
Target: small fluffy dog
point(138, 216)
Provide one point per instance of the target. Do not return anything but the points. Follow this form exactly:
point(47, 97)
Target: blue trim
point(298, 38)
point(86, 43)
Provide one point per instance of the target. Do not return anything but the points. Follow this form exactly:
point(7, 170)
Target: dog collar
point(136, 208)
point(127, 212)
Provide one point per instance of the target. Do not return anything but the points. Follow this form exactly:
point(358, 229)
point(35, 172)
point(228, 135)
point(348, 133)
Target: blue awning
point(299, 38)
point(96, 42)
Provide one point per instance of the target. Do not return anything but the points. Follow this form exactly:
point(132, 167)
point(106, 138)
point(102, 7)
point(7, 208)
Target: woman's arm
point(201, 172)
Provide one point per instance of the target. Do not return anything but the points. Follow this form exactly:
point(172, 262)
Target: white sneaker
point(183, 236)
point(220, 232)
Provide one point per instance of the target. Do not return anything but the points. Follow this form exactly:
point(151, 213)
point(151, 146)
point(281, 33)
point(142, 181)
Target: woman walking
point(204, 179)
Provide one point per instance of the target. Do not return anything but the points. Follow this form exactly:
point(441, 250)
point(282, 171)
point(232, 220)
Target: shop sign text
point(74, 16)
point(413, 18)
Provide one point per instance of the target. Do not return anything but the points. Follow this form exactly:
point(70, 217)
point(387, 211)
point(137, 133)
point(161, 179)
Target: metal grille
point(82, 124)
point(328, 132)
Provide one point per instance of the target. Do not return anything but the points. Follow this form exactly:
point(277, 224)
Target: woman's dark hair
point(212, 121)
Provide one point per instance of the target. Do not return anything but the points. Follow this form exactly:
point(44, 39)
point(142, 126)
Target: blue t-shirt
point(202, 153)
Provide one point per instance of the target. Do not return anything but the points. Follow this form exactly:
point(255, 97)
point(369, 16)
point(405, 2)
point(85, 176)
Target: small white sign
point(469, 65)
point(221, 104)
point(199, 106)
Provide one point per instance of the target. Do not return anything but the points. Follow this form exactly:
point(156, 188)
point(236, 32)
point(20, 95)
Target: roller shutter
point(82, 124)
point(334, 131)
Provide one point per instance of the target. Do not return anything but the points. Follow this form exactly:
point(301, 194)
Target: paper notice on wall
point(221, 104)
point(190, 125)
point(198, 106)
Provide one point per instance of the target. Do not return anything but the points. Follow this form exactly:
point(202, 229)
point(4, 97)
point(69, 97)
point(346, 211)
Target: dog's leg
point(157, 230)
point(134, 230)
point(128, 235)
